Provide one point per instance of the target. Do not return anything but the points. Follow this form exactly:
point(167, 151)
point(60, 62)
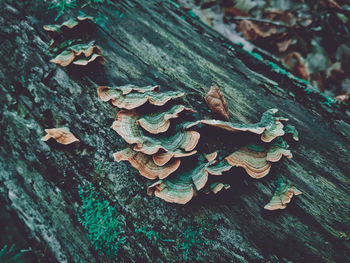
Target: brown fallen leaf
point(280, 15)
point(318, 80)
point(252, 31)
point(331, 4)
point(61, 135)
point(217, 102)
point(283, 46)
point(336, 72)
point(234, 11)
point(296, 65)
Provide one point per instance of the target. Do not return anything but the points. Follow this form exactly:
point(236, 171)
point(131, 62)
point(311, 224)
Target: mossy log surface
point(155, 42)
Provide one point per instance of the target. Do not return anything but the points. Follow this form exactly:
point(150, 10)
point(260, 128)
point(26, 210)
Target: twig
point(259, 20)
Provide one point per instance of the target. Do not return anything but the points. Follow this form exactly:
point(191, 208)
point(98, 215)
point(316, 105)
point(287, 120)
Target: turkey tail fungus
point(61, 135)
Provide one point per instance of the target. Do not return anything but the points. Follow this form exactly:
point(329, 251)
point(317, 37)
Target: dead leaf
point(234, 11)
point(252, 31)
point(283, 46)
point(335, 72)
point(217, 102)
point(331, 4)
point(318, 80)
point(280, 15)
point(296, 65)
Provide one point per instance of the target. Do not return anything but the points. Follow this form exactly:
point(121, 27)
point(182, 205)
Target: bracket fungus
point(145, 164)
point(219, 167)
point(216, 187)
point(211, 156)
point(182, 186)
point(217, 102)
point(282, 196)
point(126, 89)
point(269, 126)
point(164, 157)
point(160, 122)
point(55, 32)
point(157, 147)
point(290, 129)
point(88, 53)
point(133, 100)
point(256, 159)
point(78, 54)
point(126, 126)
point(61, 135)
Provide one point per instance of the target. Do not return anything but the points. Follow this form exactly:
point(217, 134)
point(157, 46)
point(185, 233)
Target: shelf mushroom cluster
point(282, 196)
point(160, 141)
point(65, 39)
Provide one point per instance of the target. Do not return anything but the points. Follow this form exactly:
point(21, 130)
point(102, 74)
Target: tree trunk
point(145, 43)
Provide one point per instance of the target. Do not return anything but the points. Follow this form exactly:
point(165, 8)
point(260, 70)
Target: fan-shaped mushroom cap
point(90, 51)
point(185, 141)
point(125, 125)
point(160, 122)
point(84, 61)
point(181, 187)
point(219, 168)
point(290, 129)
point(216, 187)
point(275, 153)
point(84, 18)
point(164, 157)
point(269, 126)
point(135, 99)
point(211, 156)
point(282, 196)
point(256, 159)
point(254, 162)
point(54, 31)
point(86, 48)
point(145, 165)
point(126, 89)
point(172, 192)
point(69, 24)
point(64, 58)
point(61, 135)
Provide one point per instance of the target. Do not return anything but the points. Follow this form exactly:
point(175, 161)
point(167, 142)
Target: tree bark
point(155, 42)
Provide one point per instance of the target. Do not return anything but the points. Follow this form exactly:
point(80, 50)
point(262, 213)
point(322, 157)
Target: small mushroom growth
point(65, 39)
point(61, 135)
point(282, 196)
point(163, 138)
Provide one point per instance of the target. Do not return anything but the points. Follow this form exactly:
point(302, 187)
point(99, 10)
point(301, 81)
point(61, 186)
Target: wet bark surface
point(146, 43)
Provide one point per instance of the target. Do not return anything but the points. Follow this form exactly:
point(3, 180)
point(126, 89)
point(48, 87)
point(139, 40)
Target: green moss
point(103, 223)
point(194, 241)
point(152, 234)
